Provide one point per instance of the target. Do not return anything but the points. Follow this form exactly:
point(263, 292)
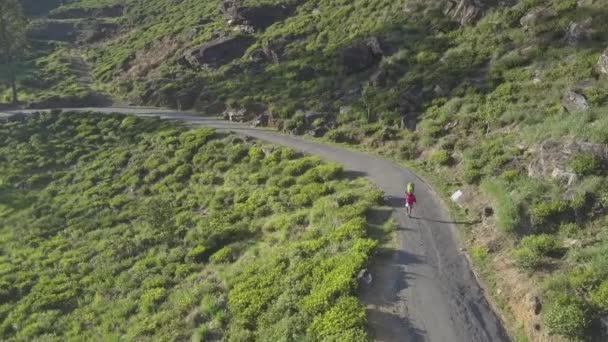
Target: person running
point(410, 199)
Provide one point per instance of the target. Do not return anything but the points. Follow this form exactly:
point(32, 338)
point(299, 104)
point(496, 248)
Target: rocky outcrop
point(274, 51)
point(579, 32)
point(602, 64)
point(574, 101)
point(259, 17)
point(219, 51)
point(361, 56)
point(551, 158)
point(464, 12)
point(252, 111)
point(75, 13)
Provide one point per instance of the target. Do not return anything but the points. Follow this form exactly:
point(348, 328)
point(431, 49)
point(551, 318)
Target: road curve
point(425, 291)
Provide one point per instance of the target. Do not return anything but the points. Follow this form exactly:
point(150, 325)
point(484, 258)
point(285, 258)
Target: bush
point(542, 244)
point(527, 259)
point(544, 216)
point(599, 297)
point(586, 164)
point(223, 255)
point(567, 316)
point(441, 157)
point(342, 322)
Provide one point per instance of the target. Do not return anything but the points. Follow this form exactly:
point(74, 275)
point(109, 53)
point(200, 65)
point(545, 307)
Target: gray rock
point(361, 56)
point(259, 17)
point(574, 102)
point(464, 11)
point(602, 64)
point(219, 51)
point(579, 32)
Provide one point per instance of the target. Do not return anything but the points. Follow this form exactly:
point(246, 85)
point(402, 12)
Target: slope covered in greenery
point(509, 106)
point(115, 227)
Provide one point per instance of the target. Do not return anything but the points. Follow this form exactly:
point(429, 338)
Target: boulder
point(219, 51)
point(574, 101)
point(464, 12)
point(579, 32)
point(75, 13)
point(259, 17)
point(361, 56)
point(602, 64)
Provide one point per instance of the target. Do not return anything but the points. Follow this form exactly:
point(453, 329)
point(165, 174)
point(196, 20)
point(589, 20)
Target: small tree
point(12, 39)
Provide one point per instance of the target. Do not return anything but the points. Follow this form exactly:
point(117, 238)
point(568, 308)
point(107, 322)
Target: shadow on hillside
point(352, 174)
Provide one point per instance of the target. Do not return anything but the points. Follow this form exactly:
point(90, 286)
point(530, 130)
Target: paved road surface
point(425, 291)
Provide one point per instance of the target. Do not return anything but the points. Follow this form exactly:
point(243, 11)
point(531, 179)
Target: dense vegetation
point(115, 227)
point(485, 104)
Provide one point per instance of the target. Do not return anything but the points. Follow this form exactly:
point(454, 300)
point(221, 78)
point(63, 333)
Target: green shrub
point(527, 259)
point(585, 164)
point(440, 157)
point(599, 297)
point(223, 255)
point(472, 174)
point(479, 254)
point(543, 244)
point(567, 316)
point(544, 216)
point(198, 253)
point(182, 172)
point(342, 322)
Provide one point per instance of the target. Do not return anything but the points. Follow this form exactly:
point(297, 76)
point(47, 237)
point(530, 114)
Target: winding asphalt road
point(423, 291)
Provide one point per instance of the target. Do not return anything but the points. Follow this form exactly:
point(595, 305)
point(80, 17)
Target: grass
point(140, 228)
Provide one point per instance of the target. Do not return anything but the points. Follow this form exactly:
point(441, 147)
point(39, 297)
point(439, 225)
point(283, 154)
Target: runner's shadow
point(389, 277)
point(391, 327)
point(394, 201)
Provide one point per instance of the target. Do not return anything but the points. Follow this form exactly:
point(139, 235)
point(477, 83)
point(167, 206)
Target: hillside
point(117, 227)
point(503, 100)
